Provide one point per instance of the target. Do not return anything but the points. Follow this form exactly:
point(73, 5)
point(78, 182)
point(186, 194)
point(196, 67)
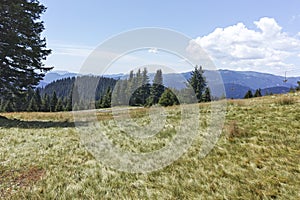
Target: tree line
point(135, 90)
point(258, 92)
point(56, 96)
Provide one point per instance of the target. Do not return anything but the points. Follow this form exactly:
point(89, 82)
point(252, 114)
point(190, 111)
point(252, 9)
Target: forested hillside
point(57, 96)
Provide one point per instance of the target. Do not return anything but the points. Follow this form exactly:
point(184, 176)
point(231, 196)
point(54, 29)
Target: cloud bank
point(266, 49)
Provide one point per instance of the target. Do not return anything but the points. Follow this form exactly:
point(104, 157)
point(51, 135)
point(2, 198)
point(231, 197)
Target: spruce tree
point(32, 106)
point(144, 90)
point(53, 102)
point(168, 98)
point(22, 50)
point(298, 87)
point(45, 107)
point(106, 101)
point(206, 96)
point(248, 94)
point(257, 93)
point(69, 103)
point(8, 107)
point(157, 88)
point(38, 99)
point(59, 106)
point(198, 82)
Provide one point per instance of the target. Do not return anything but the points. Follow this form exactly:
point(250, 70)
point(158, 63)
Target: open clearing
point(256, 157)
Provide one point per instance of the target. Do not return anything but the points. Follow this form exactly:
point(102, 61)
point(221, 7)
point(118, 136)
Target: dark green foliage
point(139, 88)
point(157, 88)
point(248, 94)
point(22, 50)
point(45, 106)
point(32, 107)
point(68, 106)
point(38, 99)
point(206, 96)
point(64, 87)
point(8, 107)
point(106, 99)
point(168, 98)
point(298, 87)
point(136, 90)
point(198, 82)
point(258, 93)
point(59, 106)
point(53, 102)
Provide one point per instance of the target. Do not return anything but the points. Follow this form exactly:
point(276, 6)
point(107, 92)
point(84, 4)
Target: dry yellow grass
point(257, 157)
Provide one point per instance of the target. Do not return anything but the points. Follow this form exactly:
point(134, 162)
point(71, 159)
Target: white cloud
point(153, 50)
point(71, 50)
point(266, 48)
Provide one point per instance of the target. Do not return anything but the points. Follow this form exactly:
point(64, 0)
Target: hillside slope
point(256, 157)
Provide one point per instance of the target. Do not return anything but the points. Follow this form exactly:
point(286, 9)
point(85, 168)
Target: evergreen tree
point(168, 98)
point(198, 82)
point(1, 105)
point(144, 90)
point(69, 103)
point(257, 93)
point(106, 101)
point(32, 106)
point(8, 107)
point(38, 99)
point(298, 87)
point(27, 100)
point(45, 107)
point(59, 106)
point(53, 102)
point(157, 88)
point(206, 96)
point(248, 94)
point(22, 49)
point(117, 94)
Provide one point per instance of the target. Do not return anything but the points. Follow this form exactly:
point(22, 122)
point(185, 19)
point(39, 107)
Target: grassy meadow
point(256, 157)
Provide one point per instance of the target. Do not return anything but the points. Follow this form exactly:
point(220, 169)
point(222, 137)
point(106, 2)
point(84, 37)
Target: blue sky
point(254, 35)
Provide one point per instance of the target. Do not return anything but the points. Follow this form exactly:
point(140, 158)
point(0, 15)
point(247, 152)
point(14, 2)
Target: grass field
point(256, 157)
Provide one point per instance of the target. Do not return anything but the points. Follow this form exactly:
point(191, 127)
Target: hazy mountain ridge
point(236, 83)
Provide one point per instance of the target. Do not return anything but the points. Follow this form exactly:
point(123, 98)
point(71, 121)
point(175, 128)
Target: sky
point(249, 35)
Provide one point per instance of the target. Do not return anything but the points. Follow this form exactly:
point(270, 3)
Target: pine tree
point(38, 99)
point(157, 88)
point(144, 90)
point(198, 82)
point(248, 94)
point(22, 48)
point(53, 102)
point(59, 106)
point(106, 101)
point(117, 94)
point(168, 98)
point(257, 93)
point(206, 96)
point(32, 106)
point(69, 103)
point(27, 100)
point(298, 87)
point(45, 107)
point(8, 107)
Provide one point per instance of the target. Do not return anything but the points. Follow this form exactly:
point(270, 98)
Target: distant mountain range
point(236, 83)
